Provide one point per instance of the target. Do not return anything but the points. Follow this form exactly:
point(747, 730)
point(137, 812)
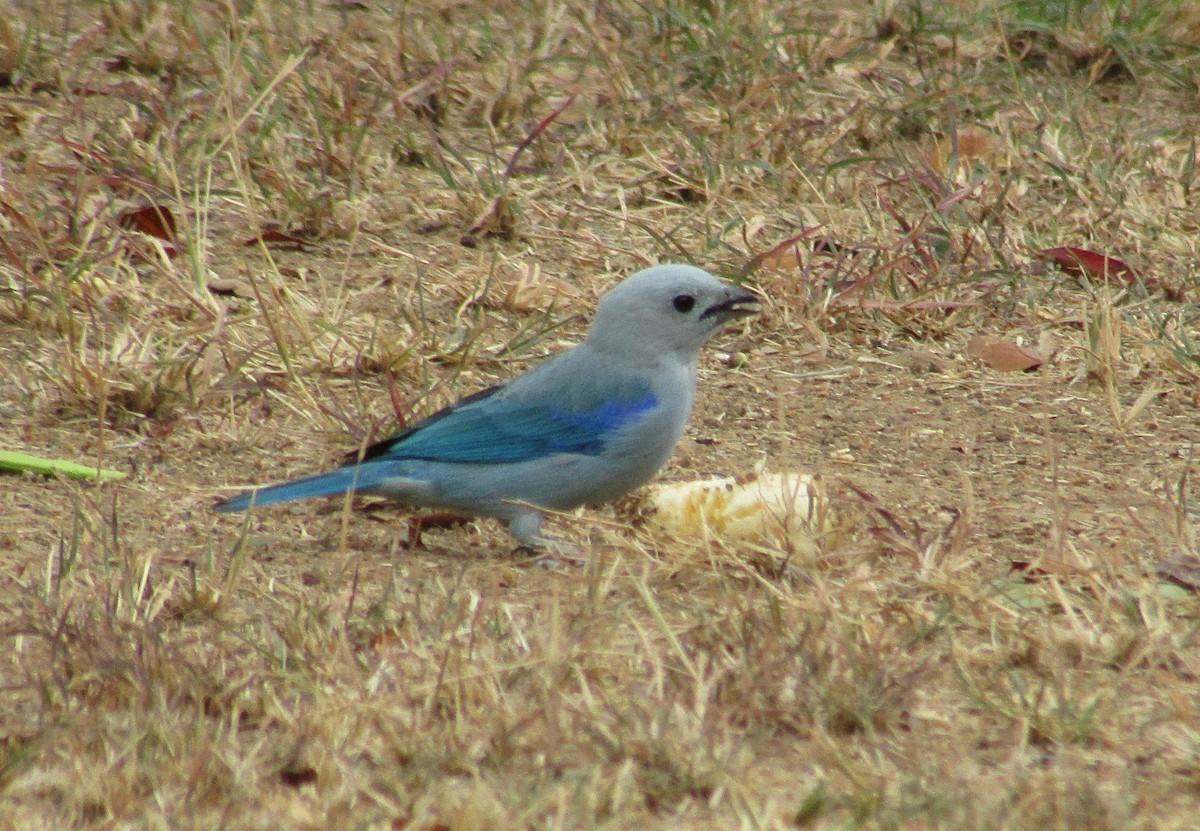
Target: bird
point(586, 426)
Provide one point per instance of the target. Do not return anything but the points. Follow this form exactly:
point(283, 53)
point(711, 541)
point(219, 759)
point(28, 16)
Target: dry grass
point(454, 184)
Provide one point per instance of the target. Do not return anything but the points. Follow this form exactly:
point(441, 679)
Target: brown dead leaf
point(1004, 355)
point(969, 144)
point(153, 220)
point(782, 256)
point(783, 259)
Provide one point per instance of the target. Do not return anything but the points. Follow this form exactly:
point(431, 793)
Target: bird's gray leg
point(526, 526)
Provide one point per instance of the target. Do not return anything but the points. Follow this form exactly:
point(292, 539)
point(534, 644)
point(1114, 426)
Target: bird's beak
point(740, 304)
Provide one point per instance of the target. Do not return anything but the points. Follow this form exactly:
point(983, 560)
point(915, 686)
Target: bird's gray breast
point(639, 449)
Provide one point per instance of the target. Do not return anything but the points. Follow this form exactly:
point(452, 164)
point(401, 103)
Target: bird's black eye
point(683, 303)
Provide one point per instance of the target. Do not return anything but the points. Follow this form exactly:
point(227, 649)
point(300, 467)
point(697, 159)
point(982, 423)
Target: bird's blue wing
point(492, 428)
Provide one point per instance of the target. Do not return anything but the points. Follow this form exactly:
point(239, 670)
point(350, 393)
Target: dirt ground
point(375, 211)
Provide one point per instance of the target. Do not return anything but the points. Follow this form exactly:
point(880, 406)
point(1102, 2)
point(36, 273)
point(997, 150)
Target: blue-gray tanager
point(587, 426)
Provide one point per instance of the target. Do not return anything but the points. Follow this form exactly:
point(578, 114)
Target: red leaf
point(1083, 263)
point(153, 220)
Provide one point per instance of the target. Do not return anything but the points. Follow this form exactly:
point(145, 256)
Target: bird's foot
point(527, 528)
point(548, 559)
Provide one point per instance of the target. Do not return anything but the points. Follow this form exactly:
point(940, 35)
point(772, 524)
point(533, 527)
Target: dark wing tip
point(382, 448)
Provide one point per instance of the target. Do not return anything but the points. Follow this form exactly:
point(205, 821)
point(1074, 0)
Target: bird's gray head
point(667, 308)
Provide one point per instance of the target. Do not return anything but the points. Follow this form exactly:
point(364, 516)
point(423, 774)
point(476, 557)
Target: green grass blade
point(22, 462)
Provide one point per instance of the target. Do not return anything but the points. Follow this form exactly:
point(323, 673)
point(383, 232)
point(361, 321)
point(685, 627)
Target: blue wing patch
point(491, 429)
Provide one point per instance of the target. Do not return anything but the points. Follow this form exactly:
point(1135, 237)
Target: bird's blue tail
point(322, 484)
